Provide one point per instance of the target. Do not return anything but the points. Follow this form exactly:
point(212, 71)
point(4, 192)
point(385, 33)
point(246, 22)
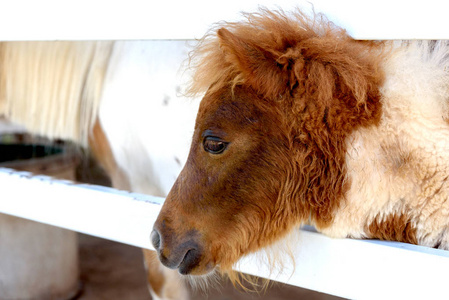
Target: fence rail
point(145, 19)
point(361, 269)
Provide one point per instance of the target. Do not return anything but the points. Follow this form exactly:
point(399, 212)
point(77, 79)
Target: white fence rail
point(348, 268)
point(95, 210)
point(172, 19)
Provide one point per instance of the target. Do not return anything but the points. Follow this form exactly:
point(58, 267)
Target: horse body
point(148, 124)
point(142, 95)
point(397, 169)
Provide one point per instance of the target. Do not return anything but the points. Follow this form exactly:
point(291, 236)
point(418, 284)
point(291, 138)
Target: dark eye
point(214, 145)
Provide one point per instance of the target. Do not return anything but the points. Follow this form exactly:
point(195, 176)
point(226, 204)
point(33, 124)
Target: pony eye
point(214, 145)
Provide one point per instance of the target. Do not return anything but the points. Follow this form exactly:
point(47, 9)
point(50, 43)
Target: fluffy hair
point(294, 46)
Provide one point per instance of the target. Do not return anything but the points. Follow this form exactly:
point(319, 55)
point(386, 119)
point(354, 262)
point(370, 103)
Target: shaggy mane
point(295, 47)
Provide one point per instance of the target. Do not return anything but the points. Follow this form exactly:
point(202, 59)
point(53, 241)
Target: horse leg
point(163, 283)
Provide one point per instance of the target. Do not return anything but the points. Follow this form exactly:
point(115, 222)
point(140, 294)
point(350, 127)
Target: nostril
point(156, 239)
point(191, 259)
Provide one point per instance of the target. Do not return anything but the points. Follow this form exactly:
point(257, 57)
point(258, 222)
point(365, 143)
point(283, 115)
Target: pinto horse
point(301, 124)
point(119, 99)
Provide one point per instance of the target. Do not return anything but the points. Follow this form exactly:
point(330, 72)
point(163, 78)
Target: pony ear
point(255, 66)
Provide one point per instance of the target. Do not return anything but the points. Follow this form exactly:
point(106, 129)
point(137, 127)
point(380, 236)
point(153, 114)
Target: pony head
point(282, 93)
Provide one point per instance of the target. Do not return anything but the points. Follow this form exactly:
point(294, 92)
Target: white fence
point(174, 19)
point(348, 268)
point(356, 269)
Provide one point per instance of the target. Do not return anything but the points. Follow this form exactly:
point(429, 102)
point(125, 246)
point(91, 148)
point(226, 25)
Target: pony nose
point(183, 255)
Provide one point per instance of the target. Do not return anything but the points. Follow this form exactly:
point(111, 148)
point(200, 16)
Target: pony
point(302, 124)
point(121, 100)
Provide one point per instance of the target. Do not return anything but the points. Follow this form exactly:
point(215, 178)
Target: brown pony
point(300, 124)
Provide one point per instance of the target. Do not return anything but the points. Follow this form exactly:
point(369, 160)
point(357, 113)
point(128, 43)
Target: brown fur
point(395, 227)
point(285, 91)
point(101, 149)
point(155, 276)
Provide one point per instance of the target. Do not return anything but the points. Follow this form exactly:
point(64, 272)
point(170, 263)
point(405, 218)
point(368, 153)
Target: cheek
point(241, 190)
point(242, 183)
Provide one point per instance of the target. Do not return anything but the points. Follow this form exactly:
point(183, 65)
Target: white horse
point(123, 100)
